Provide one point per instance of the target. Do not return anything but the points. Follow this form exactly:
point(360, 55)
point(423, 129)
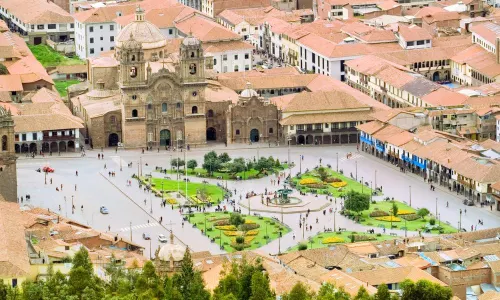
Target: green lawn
point(48, 57)
point(317, 240)
point(250, 174)
point(414, 225)
point(268, 225)
point(62, 85)
point(352, 185)
point(215, 193)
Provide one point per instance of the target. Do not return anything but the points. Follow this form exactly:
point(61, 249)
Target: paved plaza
point(132, 211)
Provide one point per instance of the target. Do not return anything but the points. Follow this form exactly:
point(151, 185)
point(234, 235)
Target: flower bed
point(231, 233)
point(308, 181)
point(362, 238)
point(317, 186)
point(405, 212)
point(410, 217)
point(248, 221)
point(332, 240)
point(333, 179)
point(227, 227)
point(378, 213)
point(252, 232)
point(171, 201)
point(388, 219)
point(339, 184)
point(248, 239)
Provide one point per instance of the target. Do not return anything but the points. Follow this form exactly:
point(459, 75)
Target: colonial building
point(8, 177)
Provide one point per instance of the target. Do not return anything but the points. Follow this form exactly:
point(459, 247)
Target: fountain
point(282, 197)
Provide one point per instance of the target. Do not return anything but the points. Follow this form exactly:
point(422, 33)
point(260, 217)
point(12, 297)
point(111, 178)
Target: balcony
point(47, 138)
point(466, 183)
point(350, 129)
point(299, 131)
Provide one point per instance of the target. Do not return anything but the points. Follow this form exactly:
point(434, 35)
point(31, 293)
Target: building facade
point(8, 170)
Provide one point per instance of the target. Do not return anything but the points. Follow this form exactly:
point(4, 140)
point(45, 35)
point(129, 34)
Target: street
point(130, 215)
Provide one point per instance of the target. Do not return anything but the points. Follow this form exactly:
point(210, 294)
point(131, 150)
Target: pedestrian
point(447, 204)
point(109, 227)
point(76, 173)
point(50, 180)
point(294, 236)
point(472, 228)
point(104, 166)
point(75, 187)
point(98, 155)
point(465, 211)
point(61, 186)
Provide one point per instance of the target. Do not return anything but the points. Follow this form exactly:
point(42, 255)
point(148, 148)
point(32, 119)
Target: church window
point(133, 72)
point(134, 97)
point(133, 57)
point(150, 106)
point(4, 143)
point(164, 107)
point(134, 113)
point(192, 54)
point(271, 130)
point(210, 113)
point(178, 105)
point(215, 62)
point(194, 110)
point(237, 132)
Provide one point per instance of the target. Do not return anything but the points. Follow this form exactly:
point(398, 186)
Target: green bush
point(379, 234)
point(247, 227)
point(239, 247)
point(410, 217)
point(432, 221)
point(240, 240)
point(378, 213)
point(302, 246)
point(236, 219)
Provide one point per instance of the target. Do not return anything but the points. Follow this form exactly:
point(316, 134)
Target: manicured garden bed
point(328, 239)
point(380, 214)
point(253, 233)
point(250, 174)
point(211, 193)
point(334, 183)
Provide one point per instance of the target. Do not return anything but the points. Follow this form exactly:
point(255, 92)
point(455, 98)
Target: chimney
point(497, 50)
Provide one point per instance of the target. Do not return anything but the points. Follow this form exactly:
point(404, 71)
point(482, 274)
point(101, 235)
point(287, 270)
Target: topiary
point(240, 240)
point(432, 221)
point(302, 246)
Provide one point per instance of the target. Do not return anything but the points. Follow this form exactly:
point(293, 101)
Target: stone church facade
point(8, 172)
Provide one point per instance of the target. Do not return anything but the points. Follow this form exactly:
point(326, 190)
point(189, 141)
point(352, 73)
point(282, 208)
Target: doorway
point(113, 140)
point(254, 135)
point(211, 134)
point(165, 137)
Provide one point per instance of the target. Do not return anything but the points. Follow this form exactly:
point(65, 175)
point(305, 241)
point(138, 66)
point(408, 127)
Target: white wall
point(97, 36)
point(224, 66)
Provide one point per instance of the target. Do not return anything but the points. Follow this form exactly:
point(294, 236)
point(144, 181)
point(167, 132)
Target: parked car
point(162, 238)
point(47, 169)
point(468, 202)
point(146, 236)
point(53, 232)
point(104, 210)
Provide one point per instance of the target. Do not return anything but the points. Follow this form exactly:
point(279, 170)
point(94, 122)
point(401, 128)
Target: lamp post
point(410, 195)
point(177, 165)
point(436, 207)
point(375, 179)
point(300, 163)
point(371, 193)
point(356, 162)
point(406, 229)
point(72, 204)
point(185, 169)
point(120, 158)
point(337, 162)
point(205, 224)
point(289, 163)
point(334, 219)
point(45, 177)
point(460, 222)
point(362, 184)
point(150, 192)
point(279, 241)
point(130, 230)
point(66, 206)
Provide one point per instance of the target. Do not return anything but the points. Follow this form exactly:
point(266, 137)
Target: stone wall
point(460, 280)
point(8, 177)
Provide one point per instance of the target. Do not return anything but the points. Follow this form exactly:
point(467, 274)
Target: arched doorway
point(301, 140)
point(54, 147)
point(309, 139)
point(62, 146)
point(113, 140)
point(435, 76)
point(165, 137)
point(17, 148)
point(254, 135)
point(33, 148)
point(71, 146)
point(211, 134)
point(25, 148)
point(46, 147)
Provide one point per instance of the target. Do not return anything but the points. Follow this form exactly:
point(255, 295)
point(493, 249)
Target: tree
point(423, 212)
point(357, 202)
point(3, 70)
point(237, 166)
point(323, 173)
point(362, 294)
point(263, 164)
point(260, 287)
point(177, 162)
point(329, 292)
point(32, 290)
point(192, 164)
point(148, 285)
point(81, 274)
point(424, 289)
point(211, 163)
point(395, 209)
point(224, 158)
point(189, 282)
point(236, 219)
point(227, 286)
point(382, 293)
point(298, 292)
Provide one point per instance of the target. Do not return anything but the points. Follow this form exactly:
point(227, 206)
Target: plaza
point(133, 211)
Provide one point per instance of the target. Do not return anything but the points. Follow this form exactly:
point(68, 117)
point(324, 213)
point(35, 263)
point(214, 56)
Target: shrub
point(378, 213)
point(231, 233)
point(432, 221)
point(333, 179)
point(317, 186)
point(224, 222)
point(308, 181)
point(332, 240)
point(410, 217)
point(339, 184)
point(379, 234)
point(302, 246)
point(388, 219)
point(239, 247)
point(405, 212)
point(362, 238)
point(236, 219)
point(239, 239)
point(247, 227)
point(252, 232)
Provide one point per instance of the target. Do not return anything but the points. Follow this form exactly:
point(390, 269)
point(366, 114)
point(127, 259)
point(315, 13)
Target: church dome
point(171, 250)
point(249, 92)
point(143, 32)
point(190, 41)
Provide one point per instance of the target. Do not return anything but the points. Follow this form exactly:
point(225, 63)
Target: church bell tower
point(8, 172)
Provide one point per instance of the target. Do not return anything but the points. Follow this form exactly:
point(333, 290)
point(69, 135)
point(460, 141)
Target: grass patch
point(48, 57)
point(318, 240)
point(62, 85)
point(215, 193)
point(250, 174)
point(415, 225)
point(256, 241)
point(352, 185)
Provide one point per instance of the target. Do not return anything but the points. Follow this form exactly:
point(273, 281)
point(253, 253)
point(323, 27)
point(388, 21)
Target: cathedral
point(154, 92)
point(8, 173)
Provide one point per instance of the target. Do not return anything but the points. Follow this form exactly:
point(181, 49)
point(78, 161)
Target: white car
point(162, 238)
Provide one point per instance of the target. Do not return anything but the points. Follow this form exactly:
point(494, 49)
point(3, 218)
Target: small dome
point(249, 92)
point(171, 250)
point(191, 41)
point(145, 33)
point(3, 112)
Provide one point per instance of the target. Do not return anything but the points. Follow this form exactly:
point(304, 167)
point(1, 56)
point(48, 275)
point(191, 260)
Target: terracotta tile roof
point(478, 169)
point(282, 280)
point(331, 117)
point(388, 131)
point(372, 65)
point(406, 57)
point(349, 283)
point(369, 34)
point(491, 144)
point(215, 92)
point(14, 261)
point(400, 138)
point(482, 102)
point(489, 295)
point(30, 70)
point(371, 127)
point(386, 115)
point(223, 46)
point(322, 101)
point(441, 16)
point(387, 5)
point(487, 30)
point(44, 116)
point(37, 11)
point(204, 29)
point(442, 152)
point(238, 82)
point(480, 60)
point(413, 33)
point(394, 275)
point(444, 97)
point(413, 261)
point(162, 18)
point(220, 5)
point(11, 83)
point(104, 14)
point(428, 11)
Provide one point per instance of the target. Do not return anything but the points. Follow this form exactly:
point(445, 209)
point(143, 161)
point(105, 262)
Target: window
point(51, 26)
point(210, 113)
point(215, 62)
point(247, 67)
point(4, 143)
point(112, 120)
point(420, 42)
point(66, 248)
point(72, 25)
point(32, 26)
point(111, 38)
point(101, 38)
point(134, 113)
point(91, 40)
point(111, 27)
point(353, 124)
point(35, 136)
point(236, 68)
point(237, 132)
point(134, 97)
point(133, 72)
point(40, 26)
point(23, 137)
point(102, 49)
point(291, 127)
point(170, 31)
point(194, 110)
point(271, 130)
point(150, 106)
point(408, 44)
point(335, 125)
point(91, 29)
point(91, 50)
point(224, 57)
point(164, 107)
point(178, 105)
point(247, 56)
point(14, 282)
point(236, 57)
point(100, 27)
point(111, 48)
